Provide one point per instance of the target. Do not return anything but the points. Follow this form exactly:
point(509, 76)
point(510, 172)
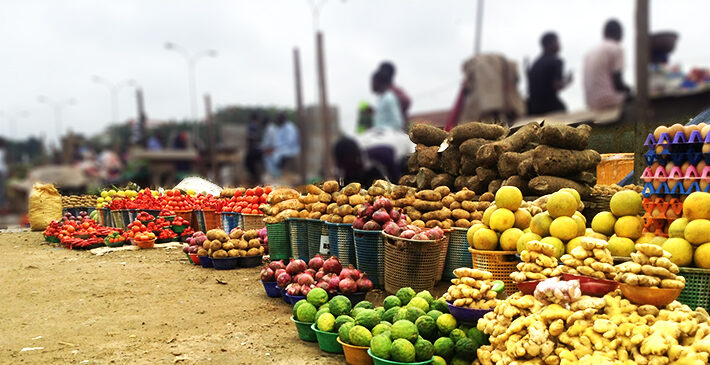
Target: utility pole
point(325, 117)
point(212, 140)
point(299, 112)
point(142, 141)
point(113, 90)
point(479, 27)
point(641, 102)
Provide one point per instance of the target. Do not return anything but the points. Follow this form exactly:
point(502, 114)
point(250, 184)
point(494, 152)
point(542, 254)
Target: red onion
point(185, 249)
point(334, 283)
point(305, 289)
point(391, 228)
point(365, 211)
point(316, 262)
point(311, 272)
point(304, 279)
point(395, 214)
point(323, 285)
point(267, 274)
point(332, 265)
point(358, 223)
point(349, 272)
point(275, 265)
point(319, 274)
point(293, 289)
point(283, 280)
point(279, 272)
point(382, 202)
point(372, 226)
point(364, 284)
point(347, 286)
point(381, 216)
point(296, 266)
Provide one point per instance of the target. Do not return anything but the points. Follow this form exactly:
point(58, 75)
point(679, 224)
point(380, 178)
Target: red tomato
point(262, 199)
point(267, 190)
point(259, 190)
point(250, 192)
point(238, 209)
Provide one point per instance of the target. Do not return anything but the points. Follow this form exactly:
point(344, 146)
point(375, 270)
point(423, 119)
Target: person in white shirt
point(280, 145)
point(388, 114)
point(603, 66)
point(3, 175)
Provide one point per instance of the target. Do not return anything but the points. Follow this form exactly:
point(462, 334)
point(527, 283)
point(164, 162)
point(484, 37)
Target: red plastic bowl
point(592, 286)
point(528, 287)
point(195, 259)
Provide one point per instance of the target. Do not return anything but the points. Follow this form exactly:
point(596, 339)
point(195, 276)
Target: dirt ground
point(139, 307)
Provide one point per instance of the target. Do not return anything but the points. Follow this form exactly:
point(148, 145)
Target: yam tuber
point(424, 177)
point(558, 162)
point(427, 134)
point(468, 165)
point(450, 160)
point(488, 154)
point(412, 163)
point(471, 146)
point(408, 180)
point(428, 157)
point(518, 182)
point(470, 130)
point(586, 177)
point(543, 185)
point(526, 168)
point(564, 136)
point(509, 161)
point(494, 185)
point(486, 175)
point(442, 180)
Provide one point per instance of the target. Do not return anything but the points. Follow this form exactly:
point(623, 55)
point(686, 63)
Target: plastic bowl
point(355, 355)
point(179, 229)
point(592, 286)
point(272, 290)
point(146, 244)
point(654, 296)
point(355, 298)
point(377, 361)
point(194, 258)
point(467, 315)
point(250, 261)
point(206, 261)
point(305, 332)
point(227, 263)
point(283, 295)
point(327, 341)
point(293, 299)
point(528, 287)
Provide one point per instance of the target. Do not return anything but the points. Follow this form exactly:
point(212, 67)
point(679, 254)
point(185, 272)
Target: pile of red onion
point(379, 215)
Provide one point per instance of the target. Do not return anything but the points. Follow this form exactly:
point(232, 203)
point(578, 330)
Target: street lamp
point(113, 89)
point(191, 59)
point(57, 106)
point(12, 118)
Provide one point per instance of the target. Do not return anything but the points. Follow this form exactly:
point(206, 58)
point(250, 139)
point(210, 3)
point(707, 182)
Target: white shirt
point(387, 112)
point(599, 65)
point(284, 140)
point(394, 138)
point(3, 166)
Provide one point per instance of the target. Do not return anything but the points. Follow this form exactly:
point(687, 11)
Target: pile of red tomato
point(180, 221)
point(206, 202)
point(177, 201)
point(249, 202)
point(78, 233)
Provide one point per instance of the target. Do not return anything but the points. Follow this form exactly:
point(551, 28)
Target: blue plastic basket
point(370, 255)
point(316, 232)
point(200, 220)
point(340, 237)
point(230, 220)
point(279, 244)
point(457, 255)
point(298, 232)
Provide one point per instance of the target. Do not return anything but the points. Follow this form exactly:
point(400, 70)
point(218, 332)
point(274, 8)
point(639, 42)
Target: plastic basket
point(279, 244)
point(200, 220)
point(499, 263)
point(340, 240)
point(252, 221)
point(105, 217)
point(696, 293)
point(327, 341)
point(316, 231)
point(370, 255)
point(443, 250)
point(230, 220)
point(298, 232)
point(378, 361)
point(305, 332)
point(457, 254)
point(355, 355)
point(409, 263)
point(212, 219)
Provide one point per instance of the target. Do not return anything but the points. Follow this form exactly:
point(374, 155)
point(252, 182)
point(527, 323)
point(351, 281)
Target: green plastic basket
point(316, 229)
point(298, 231)
point(340, 239)
point(327, 341)
point(305, 332)
point(457, 254)
point(697, 287)
point(279, 244)
point(379, 361)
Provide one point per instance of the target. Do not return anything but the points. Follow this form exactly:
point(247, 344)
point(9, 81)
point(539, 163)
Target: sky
point(54, 48)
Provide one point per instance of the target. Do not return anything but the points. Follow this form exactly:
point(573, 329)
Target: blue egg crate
point(678, 158)
point(678, 181)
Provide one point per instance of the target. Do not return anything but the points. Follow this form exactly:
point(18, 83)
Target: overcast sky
point(53, 48)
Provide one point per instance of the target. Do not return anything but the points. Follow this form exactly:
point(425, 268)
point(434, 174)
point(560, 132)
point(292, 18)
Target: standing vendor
point(603, 68)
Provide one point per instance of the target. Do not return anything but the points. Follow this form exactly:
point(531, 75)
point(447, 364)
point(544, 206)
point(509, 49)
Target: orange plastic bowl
point(644, 295)
point(146, 244)
point(355, 355)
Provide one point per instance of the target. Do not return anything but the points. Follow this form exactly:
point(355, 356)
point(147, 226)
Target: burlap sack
point(45, 206)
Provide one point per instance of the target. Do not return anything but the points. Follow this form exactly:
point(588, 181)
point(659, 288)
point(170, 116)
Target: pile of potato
point(78, 201)
point(591, 258)
point(282, 203)
point(345, 203)
point(651, 267)
point(472, 289)
point(538, 262)
point(614, 188)
point(237, 243)
point(316, 199)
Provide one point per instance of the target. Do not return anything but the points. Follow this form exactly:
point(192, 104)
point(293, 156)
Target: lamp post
point(57, 106)
point(191, 59)
point(113, 89)
point(11, 119)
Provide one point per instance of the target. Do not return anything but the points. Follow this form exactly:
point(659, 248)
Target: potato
point(455, 205)
point(215, 245)
point(469, 205)
point(325, 198)
point(460, 214)
point(443, 190)
point(331, 208)
point(312, 189)
point(319, 207)
point(253, 252)
point(281, 194)
point(376, 191)
point(308, 199)
point(289, 213)
point(351, 189)
point(476, 216)
point(342, 199)
point(233, 253)
point(448, 199)
point(412, 212)
point(419, 223)
point(236, 234)
point(251, 234)
point(349, 219)
point(228, 245)
point(242, 253)
point(447, 224)
point(404, 202)
point(212, 234)
point(356, 199)
point(345, 210)
point(432, 223)
point(336, 219)
point(462, 223)
point(288, 204)
point(202, 252)
point(429, 195)
point(315, 215)
point(464, 195)
point(303, 214)
point(425, 206)
point(220, 254)
point(254, 242)
point(331, 186)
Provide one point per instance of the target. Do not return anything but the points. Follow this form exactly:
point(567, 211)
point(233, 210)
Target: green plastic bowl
point(179, 229)
point(305, 332)
point(328, 341)
point(378, 361)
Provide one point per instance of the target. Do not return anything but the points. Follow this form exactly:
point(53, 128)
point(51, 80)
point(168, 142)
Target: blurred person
point(3, 174)
point(88, 164)
point(253, 157)
point(389, 70)
point(182, 142)
point(280, 146)
point(110, 165)
point(387, 113)
point(154, 142)
point(545, 78)
point(603, 67)
point(352, 165)
point(364, 117)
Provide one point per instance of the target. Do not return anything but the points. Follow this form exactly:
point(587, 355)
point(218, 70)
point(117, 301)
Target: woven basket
point(252, 221)
point(212, 219)
point(340, 238)
point(499, 263)
point(444, 249)
point(457, 255)
point(409, 263)
point(230, 220)
point(200, 220)
point(370, 255)
point(697, 287)
point(298, 232)
point(279, 244)
point(316, 231)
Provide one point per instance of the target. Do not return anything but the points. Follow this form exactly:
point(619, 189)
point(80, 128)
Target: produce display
point(317, 200)
point(245, 201)
point(502, 222)
point(651, 267)
point(538, 262)
point(299, 277)
point(688, 240)
point(78, 233)
point(591, 258)
point(381, 213)
point(622, 224)
point(280, 204)
point(194, 242)
point(614, 188)
point(238, 243)
point(472, 288)
point(78, 201)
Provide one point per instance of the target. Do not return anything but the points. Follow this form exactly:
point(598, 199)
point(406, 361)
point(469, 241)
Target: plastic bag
point(554, 290)
point(45, 206)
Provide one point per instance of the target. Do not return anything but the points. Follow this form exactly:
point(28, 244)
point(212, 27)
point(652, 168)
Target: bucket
point(355, 355)
point(499, 263)
point(252, 221)
point(230, 220)
point(377, 361)
point(227, 263)
point(305, 332)
point(317, 237)
point(206, 261)
point(457, 255)
point(279, 244)
point(327, 341)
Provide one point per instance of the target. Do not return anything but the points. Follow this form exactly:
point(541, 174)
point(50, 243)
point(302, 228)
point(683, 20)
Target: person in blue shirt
point(387, 113)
